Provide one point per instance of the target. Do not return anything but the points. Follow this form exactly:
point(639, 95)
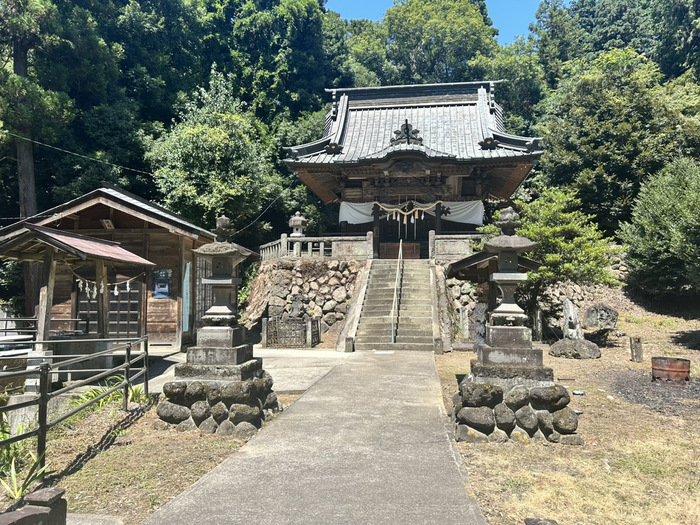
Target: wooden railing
point(347, 247)
point(133, 351)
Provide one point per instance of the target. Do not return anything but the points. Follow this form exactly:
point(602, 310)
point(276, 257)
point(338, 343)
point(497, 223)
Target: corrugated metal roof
point(31, 242)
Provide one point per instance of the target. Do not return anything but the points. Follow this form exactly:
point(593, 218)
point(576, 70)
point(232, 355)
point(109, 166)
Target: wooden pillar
point(438, 218)
point(102, 300)
point(47, 282)
point(375, 230)
point(636, 349)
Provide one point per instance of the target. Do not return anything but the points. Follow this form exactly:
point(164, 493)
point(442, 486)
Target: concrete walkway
point(367, 443)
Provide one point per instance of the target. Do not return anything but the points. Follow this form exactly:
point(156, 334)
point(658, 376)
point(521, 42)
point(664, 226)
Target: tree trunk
point(26, 181)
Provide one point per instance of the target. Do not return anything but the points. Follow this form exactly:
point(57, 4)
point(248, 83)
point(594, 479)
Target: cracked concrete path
point(367, 443)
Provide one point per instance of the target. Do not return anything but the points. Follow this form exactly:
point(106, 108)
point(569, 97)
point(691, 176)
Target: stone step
point(394, 347)
point(414, 307)
point(414, 339)
point(412, 331)
point(415, 320)
point(364, 339)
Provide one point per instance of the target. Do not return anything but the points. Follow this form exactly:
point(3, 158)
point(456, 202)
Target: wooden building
point(405, 160)
point(160, 301)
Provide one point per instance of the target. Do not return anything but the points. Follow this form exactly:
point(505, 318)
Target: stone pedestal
point(221, 388)
point(507, 359)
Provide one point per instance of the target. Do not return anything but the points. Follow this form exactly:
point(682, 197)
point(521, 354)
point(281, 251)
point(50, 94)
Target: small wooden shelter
point(157, 300)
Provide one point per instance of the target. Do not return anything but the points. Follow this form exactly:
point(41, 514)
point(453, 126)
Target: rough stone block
point(237, 392)
point(175, 391)
point(195, 391)
point(519, 435)
point(172, 413)
point(244, 431)
point(225, 428)
point(478, 418)
point(550, 398)
point(565, 421)
point(575, 349)
point(545, 421)
point(271, 401)
point(200, 411)
point(517, 397)
point(571, 439)
point(186, 426)
point(600, 316)
point(208, 426)
point(219, 412)
point(498, 436)
point(239, 413)
point(480, 394)
point(526, 419)
point(469, 435)
point(505, 417)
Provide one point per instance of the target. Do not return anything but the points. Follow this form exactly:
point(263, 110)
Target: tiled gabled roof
point(458, 121)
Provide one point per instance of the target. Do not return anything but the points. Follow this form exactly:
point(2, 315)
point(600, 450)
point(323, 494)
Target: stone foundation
point(235, 408)
point(485, 412)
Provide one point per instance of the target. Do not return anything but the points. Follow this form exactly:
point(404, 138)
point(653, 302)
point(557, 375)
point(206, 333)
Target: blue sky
point(510, 17)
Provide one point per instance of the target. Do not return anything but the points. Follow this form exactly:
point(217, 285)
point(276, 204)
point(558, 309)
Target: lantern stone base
point(235, 408)
point(221, 388)
point(485, 412)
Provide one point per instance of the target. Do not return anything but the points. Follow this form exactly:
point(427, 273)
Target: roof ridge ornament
point(406, 133)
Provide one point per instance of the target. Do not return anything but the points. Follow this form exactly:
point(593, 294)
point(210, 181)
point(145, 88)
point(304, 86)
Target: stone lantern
point(224, 257)
point(507, 247)
point(507, 356)
point(297, 224)
point(221, 387)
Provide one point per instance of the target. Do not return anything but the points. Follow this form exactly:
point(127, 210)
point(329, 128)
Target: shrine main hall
point(405, 160)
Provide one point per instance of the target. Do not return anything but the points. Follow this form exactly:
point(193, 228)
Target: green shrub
point(663, 237)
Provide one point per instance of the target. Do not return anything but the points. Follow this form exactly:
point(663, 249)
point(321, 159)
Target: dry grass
point(640, 464)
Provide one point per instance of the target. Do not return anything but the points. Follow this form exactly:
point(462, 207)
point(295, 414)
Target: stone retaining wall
point(300, 288)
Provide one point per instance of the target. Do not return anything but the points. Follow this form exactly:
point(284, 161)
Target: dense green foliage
point(609, 126)
point(663, 237)
point(611, 85)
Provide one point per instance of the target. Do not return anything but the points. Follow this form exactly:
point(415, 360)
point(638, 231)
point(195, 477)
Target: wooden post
point(48, 280)
point(43, 319)
point(102, 300)
point(375, 230)
point(636, 349)
point(537, 324)
point(438, 218)
point(263, 339)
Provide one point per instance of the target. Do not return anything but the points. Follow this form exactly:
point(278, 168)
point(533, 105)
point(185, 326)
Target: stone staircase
point(415, 314)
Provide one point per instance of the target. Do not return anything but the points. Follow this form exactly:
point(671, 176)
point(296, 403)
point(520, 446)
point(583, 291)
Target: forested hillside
point(188, 102)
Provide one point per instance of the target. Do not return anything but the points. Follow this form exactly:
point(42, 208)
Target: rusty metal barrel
point(670, 369)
